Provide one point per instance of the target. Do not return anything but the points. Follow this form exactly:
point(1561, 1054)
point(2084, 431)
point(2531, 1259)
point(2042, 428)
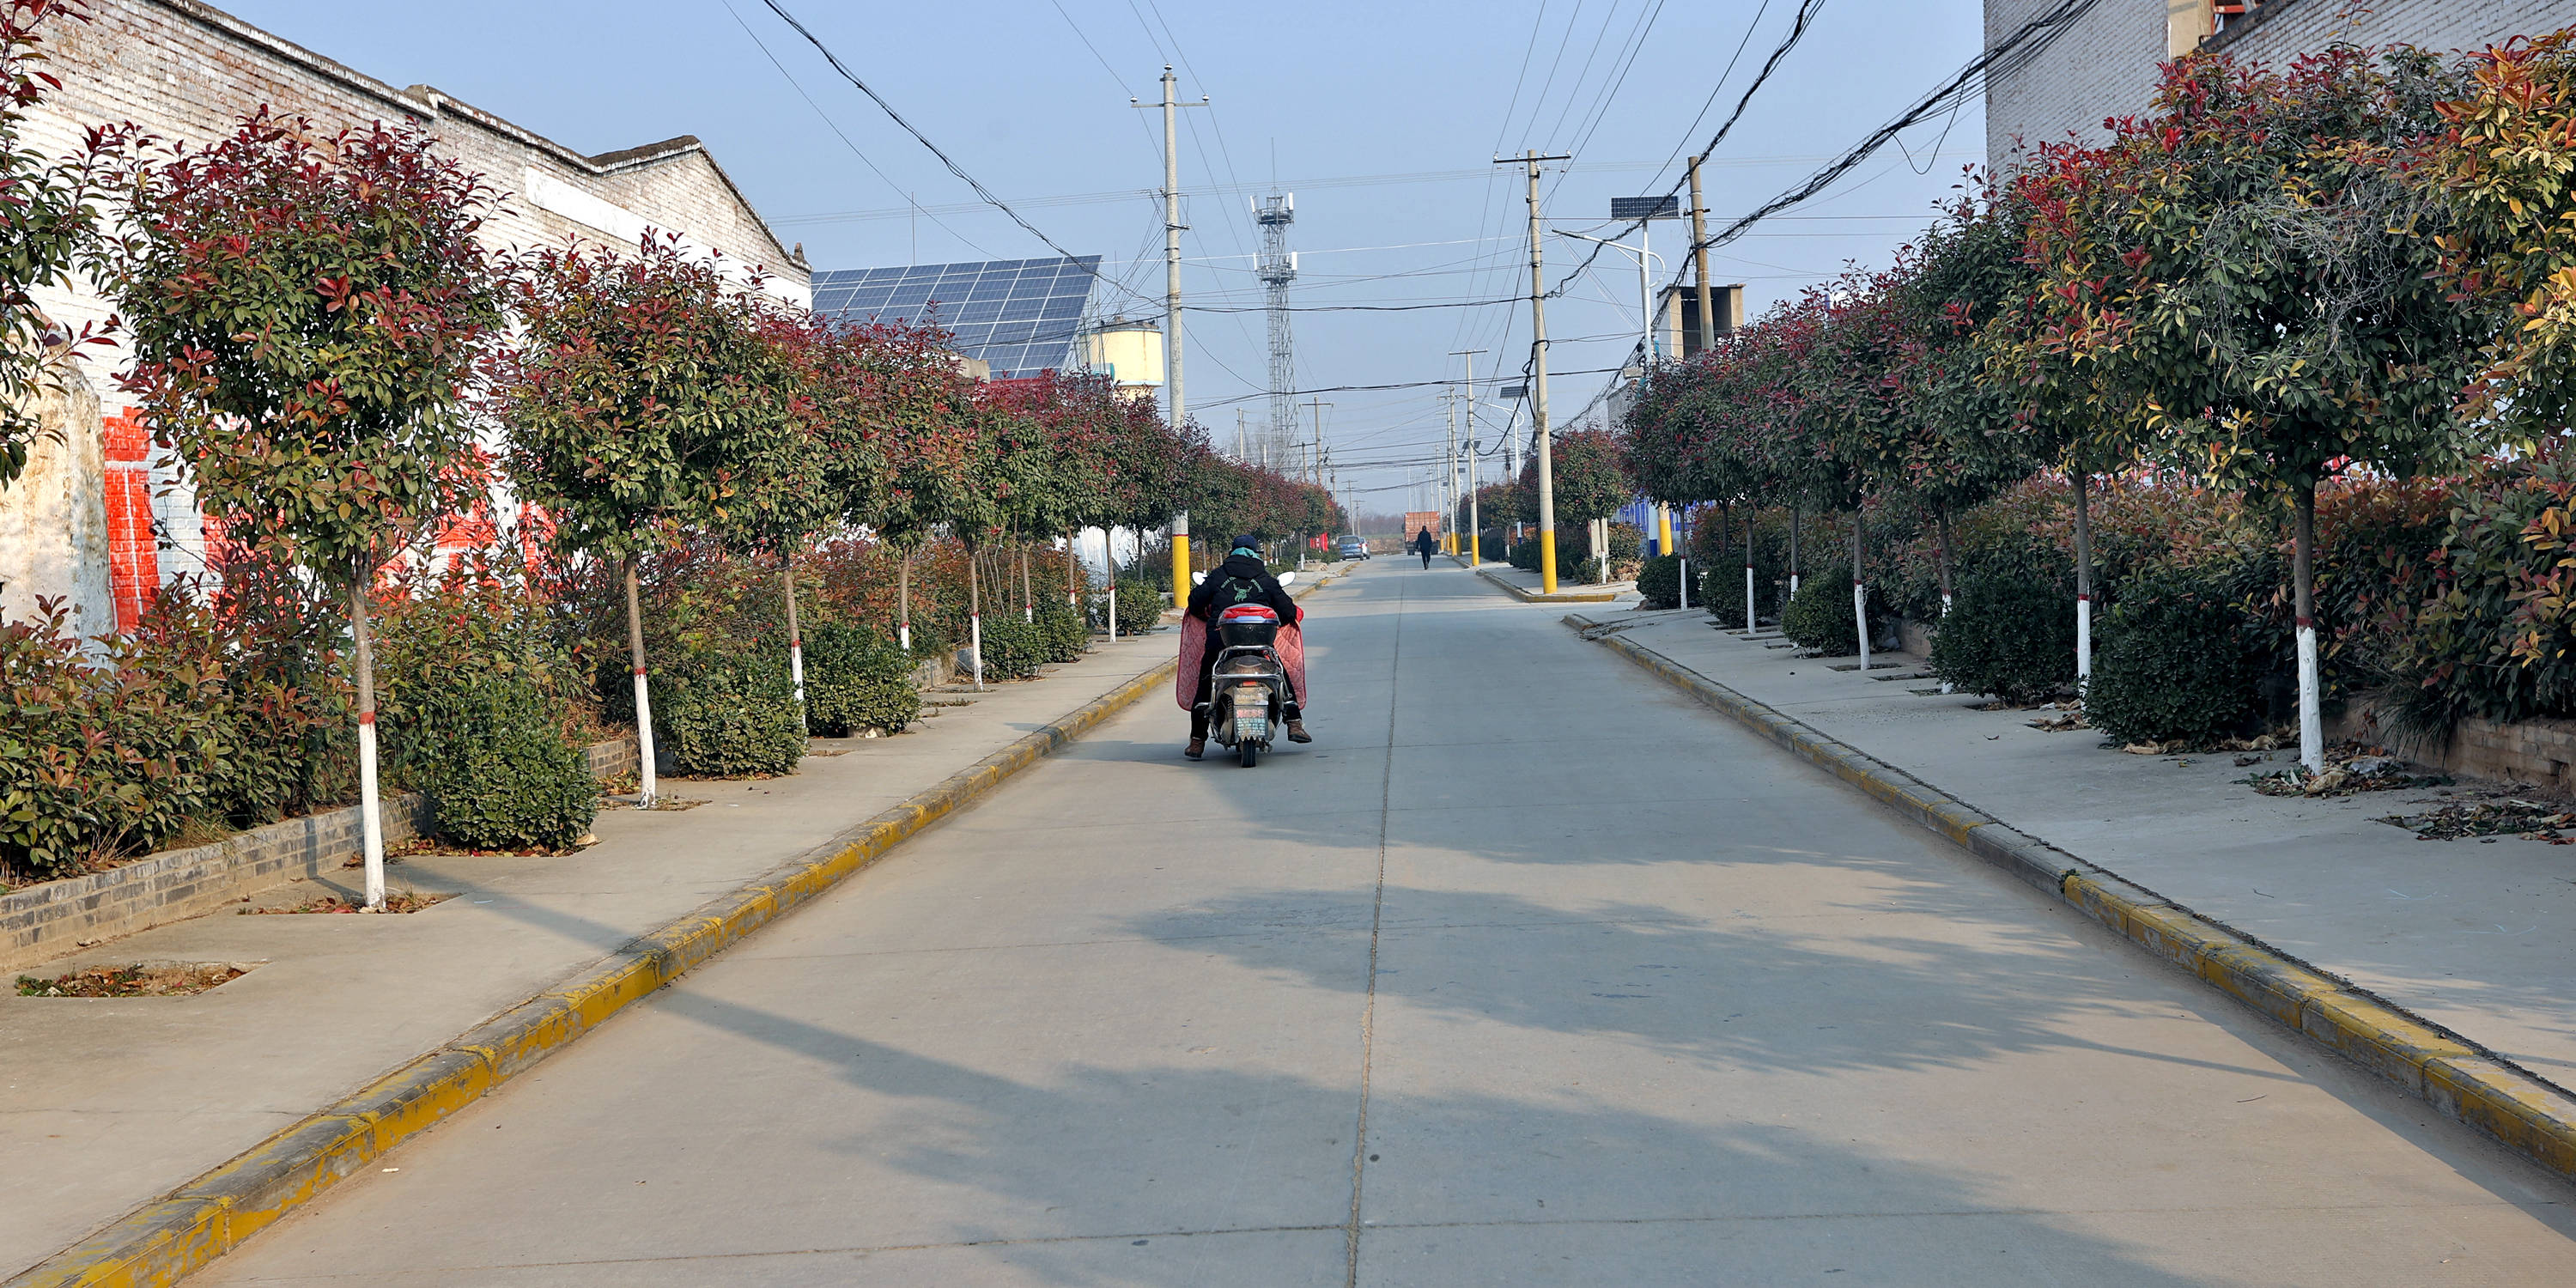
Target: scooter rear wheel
point(1247, 752)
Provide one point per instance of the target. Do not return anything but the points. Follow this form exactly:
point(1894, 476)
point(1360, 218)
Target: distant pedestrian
point(1424, 543)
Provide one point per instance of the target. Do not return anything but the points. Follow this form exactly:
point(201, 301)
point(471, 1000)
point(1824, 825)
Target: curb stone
point(2464, 1081)
point(171, 1237)
point(1603, 596)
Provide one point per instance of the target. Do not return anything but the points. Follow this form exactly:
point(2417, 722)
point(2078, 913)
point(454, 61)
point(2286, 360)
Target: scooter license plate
point(1252, 728)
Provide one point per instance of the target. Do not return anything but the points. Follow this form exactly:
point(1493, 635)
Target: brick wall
point(187, 72)
point(2105, 65)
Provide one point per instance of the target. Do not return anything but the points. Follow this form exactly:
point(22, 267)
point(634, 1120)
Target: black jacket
point(1425, 543)
point(1241, 579)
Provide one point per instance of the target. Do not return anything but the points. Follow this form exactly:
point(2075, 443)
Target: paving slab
point(109, 1103)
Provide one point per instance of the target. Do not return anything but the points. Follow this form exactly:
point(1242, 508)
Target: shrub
point(2008, 636)
point(477, 711)
point(855, 681)
point(2174, 662)
point(1660, 582)
point(721, 714)
point(499, 773)
point(1012, 648)
point(1067, 636)
point(1140, 607)
point(99, 757)
point(1820, 618)
point(277, 646)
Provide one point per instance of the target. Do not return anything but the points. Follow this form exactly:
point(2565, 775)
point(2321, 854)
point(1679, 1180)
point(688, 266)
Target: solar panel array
point(1021, 315)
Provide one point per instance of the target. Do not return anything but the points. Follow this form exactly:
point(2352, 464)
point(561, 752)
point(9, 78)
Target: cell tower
point(1278, 267)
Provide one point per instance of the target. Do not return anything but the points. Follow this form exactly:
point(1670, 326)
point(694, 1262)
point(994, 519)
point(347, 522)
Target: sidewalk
point(1527, 586)
point(2479, 938)
point(108, 1104)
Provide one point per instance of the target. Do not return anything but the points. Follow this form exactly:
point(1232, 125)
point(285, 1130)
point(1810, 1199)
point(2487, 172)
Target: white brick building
point(91, 519)
point(2104, 65)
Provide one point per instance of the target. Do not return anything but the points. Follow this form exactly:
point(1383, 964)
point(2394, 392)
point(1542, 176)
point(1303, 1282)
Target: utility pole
point(1448, 479)
point(1172, 302)
point(1475, 527)
point(1538, 373)
point(1699, 261)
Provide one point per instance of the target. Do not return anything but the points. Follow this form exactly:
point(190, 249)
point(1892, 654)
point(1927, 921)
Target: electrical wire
point(832, 125)
point(923, 139)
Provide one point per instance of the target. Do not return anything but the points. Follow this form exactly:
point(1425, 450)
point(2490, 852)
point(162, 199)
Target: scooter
point(1248, 685)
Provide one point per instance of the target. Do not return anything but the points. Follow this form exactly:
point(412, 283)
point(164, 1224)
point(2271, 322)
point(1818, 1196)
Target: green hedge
point(855, 681)
point(2008, 636)
point(1820, 618)
point(1066, 635)
point(2176, 661)
point(497, 769)
point(721, 714)
point(1140, 607)
point(1660, 582)
point(1013, 649)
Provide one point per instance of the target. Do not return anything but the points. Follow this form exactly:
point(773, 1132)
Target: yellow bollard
point(1181, 559)
point(1547, 560)
point(1664, 525)
point(1475, 549)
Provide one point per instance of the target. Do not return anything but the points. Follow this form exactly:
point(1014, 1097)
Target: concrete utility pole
point(1538, 373)
point(1449, 480)
point(1475, 528)
point(1172, 303)
point(1699, 261)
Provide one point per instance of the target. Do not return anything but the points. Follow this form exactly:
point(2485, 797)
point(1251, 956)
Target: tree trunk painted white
point(903, 601)
point(2303, 588)
point(371, 819)
point(643, 698)
point(1941, 520)
point(1797, 520)
point(2083, 580)
point(1109, 552)
point(974, 619)
point(1860, 598)
point(1028, 591)
point(795, 638)
point(1750, 623)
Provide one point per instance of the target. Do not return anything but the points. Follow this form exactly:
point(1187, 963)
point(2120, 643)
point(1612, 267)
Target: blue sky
point(1382, 118)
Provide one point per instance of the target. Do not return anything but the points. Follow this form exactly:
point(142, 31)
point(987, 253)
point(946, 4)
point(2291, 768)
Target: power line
point(829, 123)
point(2017, 50)
point(897, 117)
point(1807, 10)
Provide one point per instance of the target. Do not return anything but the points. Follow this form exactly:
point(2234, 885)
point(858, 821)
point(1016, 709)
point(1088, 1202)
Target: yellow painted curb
point(1528, 596)
point(2464, 1081)
point(167, 1239)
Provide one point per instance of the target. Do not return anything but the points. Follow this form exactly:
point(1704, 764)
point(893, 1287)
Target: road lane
point(1527, 971)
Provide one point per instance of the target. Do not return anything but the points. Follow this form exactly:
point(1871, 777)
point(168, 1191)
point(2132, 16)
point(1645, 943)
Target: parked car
point(1354, 548)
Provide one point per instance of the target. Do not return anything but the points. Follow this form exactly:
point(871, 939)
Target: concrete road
point(1526, 972)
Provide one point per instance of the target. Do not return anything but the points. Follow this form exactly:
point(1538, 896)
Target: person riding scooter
point(1242, 579)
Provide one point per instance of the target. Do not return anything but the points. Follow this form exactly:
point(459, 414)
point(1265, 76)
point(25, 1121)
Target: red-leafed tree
point(307, 309)
point(642, 399)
